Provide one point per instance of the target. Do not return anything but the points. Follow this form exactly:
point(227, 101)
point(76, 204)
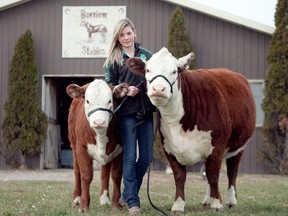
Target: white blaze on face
point(161, 72)
point(98, 95)
point(161, 63)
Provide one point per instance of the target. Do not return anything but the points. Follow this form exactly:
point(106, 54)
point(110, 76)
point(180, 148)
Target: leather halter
point(100, 109)
point(165, 78)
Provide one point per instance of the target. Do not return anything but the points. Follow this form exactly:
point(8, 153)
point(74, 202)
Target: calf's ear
point(75, 91)
point(184, 62)
point(136, 65)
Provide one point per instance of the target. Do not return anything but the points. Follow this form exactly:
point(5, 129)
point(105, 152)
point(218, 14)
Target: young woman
point(135, 114)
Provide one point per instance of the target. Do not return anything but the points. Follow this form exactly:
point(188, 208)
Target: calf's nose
point(97, 123)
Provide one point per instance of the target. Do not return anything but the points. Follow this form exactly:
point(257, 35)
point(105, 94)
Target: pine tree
point(274, 149)
point(24, 126)
point(179, 43)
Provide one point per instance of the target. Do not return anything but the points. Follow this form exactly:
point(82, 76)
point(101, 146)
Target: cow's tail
point(234, 153)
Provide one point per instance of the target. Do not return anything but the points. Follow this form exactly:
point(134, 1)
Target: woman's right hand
point(132, 91)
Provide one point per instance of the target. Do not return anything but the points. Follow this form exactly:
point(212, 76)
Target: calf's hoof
point(83, 210)
point(104, 199)
point(117, 205)
point(177, 213)
point(76, 202)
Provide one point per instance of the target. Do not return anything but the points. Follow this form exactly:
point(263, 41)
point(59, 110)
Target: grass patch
point(258, 195)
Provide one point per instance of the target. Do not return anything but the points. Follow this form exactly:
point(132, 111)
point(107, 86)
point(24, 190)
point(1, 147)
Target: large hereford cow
point(93, 136)
point(205, 114)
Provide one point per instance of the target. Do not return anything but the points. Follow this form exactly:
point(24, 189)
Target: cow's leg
point(86, 172)
point(232, 171)
point(179, 172)
point(117, 178)
point(213, 166)
point(77, 186)
point(104, 190)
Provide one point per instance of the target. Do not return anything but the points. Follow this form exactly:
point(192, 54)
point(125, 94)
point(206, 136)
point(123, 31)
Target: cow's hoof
point(176, 213)
point(229, 205)
point(205, 205)
point(216, 205)
point(219, 209)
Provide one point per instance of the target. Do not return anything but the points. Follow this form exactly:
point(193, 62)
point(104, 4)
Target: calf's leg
point(86, 172)
point(104, 184)
point(116, 173)
point(77, 185)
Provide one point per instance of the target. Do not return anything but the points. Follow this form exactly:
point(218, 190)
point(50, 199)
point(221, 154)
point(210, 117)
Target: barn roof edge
point(242, 21)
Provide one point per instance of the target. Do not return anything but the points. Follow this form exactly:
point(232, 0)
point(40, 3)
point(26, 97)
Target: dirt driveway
point(157, 177)
point(47, 174)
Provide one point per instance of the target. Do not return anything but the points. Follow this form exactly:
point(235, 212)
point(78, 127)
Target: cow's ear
point(184, 62)
point(136, 65)
point(75, 91)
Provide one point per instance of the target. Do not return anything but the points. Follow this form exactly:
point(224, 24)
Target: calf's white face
point(161, 75)
point(98, 102)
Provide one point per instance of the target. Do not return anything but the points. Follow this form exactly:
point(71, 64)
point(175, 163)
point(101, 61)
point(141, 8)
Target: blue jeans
point(134, 171)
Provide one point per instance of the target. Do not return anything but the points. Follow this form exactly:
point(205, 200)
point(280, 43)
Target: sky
point(261, 11)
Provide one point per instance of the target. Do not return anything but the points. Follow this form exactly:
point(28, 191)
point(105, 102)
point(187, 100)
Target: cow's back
point(220, 100)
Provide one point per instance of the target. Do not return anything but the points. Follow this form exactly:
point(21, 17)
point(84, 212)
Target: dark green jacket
point(116, 74)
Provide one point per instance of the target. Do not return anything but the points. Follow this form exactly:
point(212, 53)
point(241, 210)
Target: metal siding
point(216, 44)
point(226, 47)
point(247, 52)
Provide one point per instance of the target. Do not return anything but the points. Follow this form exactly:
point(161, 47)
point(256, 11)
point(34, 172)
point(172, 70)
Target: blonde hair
point(115, 53)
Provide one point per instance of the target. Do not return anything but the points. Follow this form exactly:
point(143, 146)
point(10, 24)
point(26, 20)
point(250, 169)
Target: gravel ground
point(156, 176)
point(49, 174)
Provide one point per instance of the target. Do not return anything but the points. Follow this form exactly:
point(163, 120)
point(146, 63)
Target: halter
point(171, 84)
point(100, 109)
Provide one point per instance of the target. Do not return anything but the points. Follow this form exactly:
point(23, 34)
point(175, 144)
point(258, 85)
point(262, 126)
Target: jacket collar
point(136, 45)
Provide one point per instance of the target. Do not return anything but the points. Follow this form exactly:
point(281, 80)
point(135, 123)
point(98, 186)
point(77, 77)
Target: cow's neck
point(101, 138)
point(173, 111)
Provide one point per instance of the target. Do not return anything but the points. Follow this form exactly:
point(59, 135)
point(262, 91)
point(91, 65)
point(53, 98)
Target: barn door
point(52, 142)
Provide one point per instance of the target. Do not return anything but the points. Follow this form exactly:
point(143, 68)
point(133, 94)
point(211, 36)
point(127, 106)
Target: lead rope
point(148, 178)
point(125, 98)
point(149, 167)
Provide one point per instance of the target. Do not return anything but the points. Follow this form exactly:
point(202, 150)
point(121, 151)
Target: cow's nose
point(158, 89)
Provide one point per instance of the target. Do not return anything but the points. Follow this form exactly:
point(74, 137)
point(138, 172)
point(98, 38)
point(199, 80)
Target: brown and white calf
point(205, 114)
point(93, 136)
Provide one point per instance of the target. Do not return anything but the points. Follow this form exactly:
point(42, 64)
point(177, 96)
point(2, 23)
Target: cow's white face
point(161, 73)
point(98, 104)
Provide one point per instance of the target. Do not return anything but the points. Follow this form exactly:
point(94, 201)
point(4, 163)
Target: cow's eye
point(147, 71)
point(109, 102)
point(174, 72)
point(87, 101)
